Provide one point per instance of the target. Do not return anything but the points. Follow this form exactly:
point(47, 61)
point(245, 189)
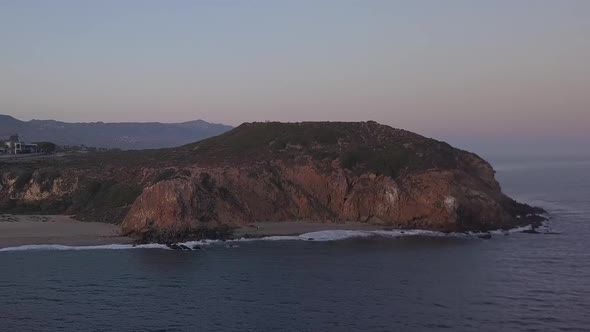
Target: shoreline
point(296, 228)
point(60, 230)
point(20, 230)
point(25, 230)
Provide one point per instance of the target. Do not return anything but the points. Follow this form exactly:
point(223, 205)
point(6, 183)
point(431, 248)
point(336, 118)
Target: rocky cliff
point(318, 171)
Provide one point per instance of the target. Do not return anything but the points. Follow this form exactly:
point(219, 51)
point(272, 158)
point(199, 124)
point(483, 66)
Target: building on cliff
point(13, 145)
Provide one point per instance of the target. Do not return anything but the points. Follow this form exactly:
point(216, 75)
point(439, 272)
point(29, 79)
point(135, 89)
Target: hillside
point(317, 171)
point(367, 146)
point(127, 135)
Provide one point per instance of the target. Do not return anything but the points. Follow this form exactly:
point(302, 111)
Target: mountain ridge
point(122, 135)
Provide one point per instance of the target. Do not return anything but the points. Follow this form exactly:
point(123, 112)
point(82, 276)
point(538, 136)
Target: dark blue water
point(520, 282)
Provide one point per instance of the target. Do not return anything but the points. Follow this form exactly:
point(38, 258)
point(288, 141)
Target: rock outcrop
point(322, 172)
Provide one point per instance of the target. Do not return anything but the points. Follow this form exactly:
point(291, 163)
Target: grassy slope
point(112, 180)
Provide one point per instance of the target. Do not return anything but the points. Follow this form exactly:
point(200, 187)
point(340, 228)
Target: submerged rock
point(173, 246)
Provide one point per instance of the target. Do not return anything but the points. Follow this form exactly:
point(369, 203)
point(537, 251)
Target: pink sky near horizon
point(501, 72)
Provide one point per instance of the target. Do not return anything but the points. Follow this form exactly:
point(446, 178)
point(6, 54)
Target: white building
point(13, 145)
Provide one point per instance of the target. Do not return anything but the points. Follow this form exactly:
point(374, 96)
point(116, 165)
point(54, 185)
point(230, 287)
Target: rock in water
point(531, 231)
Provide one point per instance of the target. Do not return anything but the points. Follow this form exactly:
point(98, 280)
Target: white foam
point(512, 230)
point(320, 236)
point(337, 235)
point(100, 247)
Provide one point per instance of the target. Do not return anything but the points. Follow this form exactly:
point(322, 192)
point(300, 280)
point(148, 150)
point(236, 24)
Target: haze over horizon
point(507, 76)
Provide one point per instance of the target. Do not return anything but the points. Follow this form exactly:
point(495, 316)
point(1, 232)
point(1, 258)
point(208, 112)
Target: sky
point(493, 76)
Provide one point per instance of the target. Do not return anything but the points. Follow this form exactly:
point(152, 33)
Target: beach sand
point(18, 230)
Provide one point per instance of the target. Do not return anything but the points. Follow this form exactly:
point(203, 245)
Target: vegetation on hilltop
point(104, 184)
point(359, 146)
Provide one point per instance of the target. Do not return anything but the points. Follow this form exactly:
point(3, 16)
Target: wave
point(330, 235)
point(99, 247)
point(319, 236)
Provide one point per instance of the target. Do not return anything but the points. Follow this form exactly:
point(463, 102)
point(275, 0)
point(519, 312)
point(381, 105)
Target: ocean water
point(339, 281)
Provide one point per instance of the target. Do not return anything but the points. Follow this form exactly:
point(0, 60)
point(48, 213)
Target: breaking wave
point(99, 247)
point(319, 236)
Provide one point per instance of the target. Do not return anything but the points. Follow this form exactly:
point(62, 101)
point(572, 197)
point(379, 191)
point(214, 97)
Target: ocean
point(340, 281)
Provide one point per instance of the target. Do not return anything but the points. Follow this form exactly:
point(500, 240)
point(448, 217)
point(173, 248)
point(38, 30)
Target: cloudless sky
point(489, 75)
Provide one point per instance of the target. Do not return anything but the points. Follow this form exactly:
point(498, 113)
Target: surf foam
point(319, 236)
point(100, 247)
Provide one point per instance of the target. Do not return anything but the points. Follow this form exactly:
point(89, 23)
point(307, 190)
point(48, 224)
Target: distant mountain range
point(125, 135)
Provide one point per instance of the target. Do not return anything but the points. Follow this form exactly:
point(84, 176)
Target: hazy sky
point(484, 74)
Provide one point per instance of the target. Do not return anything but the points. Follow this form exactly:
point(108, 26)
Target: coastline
point(60, 230)
point(24, 230)
point(295, 228)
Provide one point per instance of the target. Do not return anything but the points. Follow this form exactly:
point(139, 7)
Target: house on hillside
point(13, 145)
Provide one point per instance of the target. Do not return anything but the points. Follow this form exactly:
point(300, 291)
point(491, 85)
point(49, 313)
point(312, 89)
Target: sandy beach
point(17, 230)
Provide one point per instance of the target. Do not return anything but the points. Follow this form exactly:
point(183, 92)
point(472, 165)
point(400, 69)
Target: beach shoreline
point(295, 228)
point(25, 230)
point(19, 230)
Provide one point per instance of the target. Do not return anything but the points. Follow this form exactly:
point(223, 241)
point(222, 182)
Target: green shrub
point(185, 173)
point(46, 147)
point(23, 179)
point(95, 194)
point(47, 178)
point(118, 195)
point(164, 175)
point(389, 161)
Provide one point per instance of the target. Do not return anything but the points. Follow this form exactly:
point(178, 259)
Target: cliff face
point(41, 187)
point(322, 172)
point(435, 199)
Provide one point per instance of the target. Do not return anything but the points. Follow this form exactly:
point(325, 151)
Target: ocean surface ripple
point(324, 281)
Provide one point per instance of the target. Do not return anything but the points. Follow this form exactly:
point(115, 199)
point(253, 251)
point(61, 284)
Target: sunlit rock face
point(318, 171)
point(327, 172)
